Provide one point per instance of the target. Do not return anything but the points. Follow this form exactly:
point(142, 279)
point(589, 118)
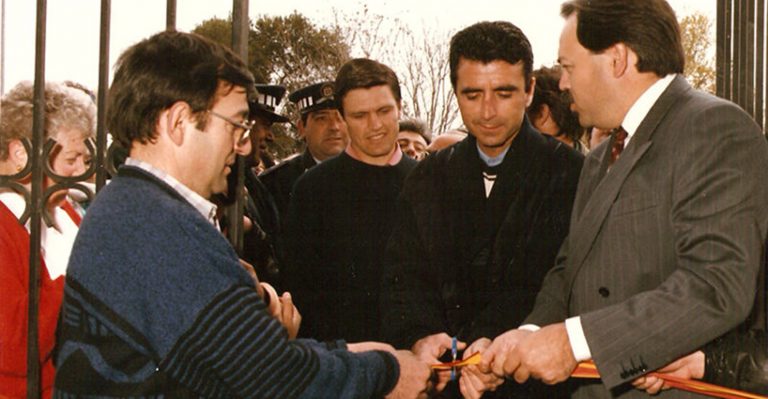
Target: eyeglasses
point(242, 129)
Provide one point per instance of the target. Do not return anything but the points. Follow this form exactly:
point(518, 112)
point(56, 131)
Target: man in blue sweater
point(156, 303)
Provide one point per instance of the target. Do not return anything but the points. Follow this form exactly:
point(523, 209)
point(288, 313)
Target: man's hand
point(545, 355)
point(414, 377)
point(496, 354)
point(290, 317)
point(688, 367)
point(281, 308)
point(247, 224)
point(252, 272)
point(275, 306)
point(432, 347)
point(358, 347)
point(473, 382)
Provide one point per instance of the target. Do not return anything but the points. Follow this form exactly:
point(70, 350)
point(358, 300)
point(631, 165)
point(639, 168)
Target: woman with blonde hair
point(69, 120)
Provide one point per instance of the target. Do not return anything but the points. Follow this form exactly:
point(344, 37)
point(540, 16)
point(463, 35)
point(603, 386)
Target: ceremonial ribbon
point(589, 370)
point(474, 359)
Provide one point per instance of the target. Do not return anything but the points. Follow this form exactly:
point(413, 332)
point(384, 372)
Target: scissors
point(454, 352)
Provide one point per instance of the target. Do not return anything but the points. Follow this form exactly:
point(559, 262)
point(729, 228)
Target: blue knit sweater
point(157, 305)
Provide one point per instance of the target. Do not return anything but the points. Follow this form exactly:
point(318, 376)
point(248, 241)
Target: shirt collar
point(643, 105)
point(492, 161)
point(393, 160)
point(205, 207)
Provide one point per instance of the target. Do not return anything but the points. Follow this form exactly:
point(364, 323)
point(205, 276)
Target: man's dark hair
point(363, 73)
point(648, 27)
point(168, 67)
point(492, 41)
point(417, 126)
point(559, 102)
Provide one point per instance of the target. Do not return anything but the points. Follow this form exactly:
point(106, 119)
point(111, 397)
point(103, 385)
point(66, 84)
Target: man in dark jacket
point(260, 241)
point(480, 222)
point(322, 129)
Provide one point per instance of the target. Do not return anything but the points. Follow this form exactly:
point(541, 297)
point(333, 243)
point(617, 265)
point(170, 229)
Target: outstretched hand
point(545, 355)
point(430, 348)
point(414, 377)
point(688, 367)
point(474, 382)
point(496, 354)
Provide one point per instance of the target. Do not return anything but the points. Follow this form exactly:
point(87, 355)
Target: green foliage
point(299, 53)
point(697, 42)
point(216, 29)
point(290, 51)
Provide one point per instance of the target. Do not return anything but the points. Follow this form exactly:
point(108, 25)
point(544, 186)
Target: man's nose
point(375, 121)
point(488, 108)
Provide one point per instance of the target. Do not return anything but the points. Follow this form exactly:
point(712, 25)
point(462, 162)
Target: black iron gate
point(38, 151)
point(741, 51)
point(741, 77)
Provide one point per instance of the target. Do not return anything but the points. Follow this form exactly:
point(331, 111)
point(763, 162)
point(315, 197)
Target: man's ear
point(174, 120)
point(620, 57)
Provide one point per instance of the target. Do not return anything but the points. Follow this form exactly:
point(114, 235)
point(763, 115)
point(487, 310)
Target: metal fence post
point(36, 205)
point(240, 32)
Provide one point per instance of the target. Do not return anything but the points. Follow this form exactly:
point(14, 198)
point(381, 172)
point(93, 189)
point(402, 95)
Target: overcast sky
point(73, 25)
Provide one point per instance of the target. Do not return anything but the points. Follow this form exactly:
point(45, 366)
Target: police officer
point(324, 132)
point(260, 242)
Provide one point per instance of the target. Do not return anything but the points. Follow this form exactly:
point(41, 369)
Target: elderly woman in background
point(69, 119)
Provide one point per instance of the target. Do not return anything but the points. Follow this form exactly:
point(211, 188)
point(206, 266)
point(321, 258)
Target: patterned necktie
point(619, 136)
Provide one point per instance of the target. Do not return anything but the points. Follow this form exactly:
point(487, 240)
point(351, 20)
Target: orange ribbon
point(474, 359)
point(589, 370)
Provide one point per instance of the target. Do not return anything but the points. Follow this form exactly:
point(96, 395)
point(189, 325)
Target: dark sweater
point(468, 265)
point(156, 304)
point(339, 219)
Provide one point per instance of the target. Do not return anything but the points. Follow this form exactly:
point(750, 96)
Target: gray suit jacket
point(664, 249)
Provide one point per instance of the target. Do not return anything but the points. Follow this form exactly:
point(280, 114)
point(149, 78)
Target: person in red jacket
point(70, 119)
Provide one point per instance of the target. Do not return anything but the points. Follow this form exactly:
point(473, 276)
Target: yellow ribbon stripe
point(474, 359)
point(589, 370)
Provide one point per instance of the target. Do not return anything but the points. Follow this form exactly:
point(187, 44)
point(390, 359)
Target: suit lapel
point(595, 166)
point(596, 207)
point(599, 204)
